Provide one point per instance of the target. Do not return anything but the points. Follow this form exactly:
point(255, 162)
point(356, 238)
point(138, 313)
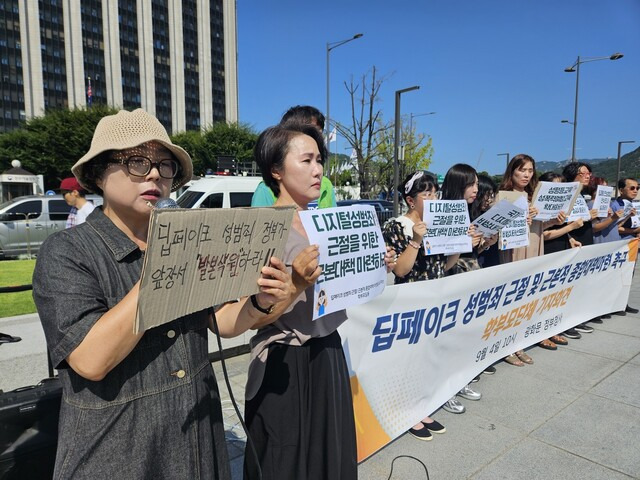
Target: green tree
point(234, 139)
point(51, 144)
point(193, 143)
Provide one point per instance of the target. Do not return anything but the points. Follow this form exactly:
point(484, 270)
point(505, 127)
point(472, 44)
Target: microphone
point(166, 203)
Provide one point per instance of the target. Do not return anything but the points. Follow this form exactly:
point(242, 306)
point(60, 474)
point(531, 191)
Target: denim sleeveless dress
point(155, 415)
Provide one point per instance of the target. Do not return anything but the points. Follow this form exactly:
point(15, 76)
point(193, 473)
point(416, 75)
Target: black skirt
point(301, 420)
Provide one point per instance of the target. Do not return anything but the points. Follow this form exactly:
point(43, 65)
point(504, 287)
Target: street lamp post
point(568, 123)
point(507, 154)
point(576, 68)
point(396, 146)
point(414, 115)
point(411, 117)
point(618, 173)
point(331, 46)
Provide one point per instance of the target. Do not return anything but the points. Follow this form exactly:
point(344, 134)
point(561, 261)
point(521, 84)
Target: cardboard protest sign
point(447, 227)
point(516, 234)
point(497, 217)
point(351, 256)
point(551, 198)
point(602, 201)
point(580, 210)
point(199, 258)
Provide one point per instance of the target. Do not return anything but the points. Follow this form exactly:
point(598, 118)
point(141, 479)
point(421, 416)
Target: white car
point(219, 191)
point(25, 222)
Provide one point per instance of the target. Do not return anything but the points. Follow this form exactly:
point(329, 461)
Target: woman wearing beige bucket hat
point(134, 405)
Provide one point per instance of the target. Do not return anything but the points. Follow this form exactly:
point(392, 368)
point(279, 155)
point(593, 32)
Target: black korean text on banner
point(199, 258)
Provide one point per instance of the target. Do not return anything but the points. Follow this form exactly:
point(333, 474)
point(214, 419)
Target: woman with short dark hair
point(298, 404)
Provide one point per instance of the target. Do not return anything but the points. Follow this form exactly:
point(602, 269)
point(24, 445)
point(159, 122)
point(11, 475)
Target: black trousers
point(301, 420)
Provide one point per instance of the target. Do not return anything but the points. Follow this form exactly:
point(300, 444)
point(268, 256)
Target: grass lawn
point(12, 273)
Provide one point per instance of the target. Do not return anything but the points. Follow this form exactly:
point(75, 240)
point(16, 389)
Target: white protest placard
point(602, 201)
point(352, 253)
point(516, 234)
point(447, 227)
point(627, 208)
point(580, 210)
point(551, 198)
point(635, 220)
point(497, 217)
point(203, 257)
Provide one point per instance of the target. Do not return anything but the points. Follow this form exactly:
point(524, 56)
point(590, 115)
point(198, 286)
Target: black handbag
point(29, 430)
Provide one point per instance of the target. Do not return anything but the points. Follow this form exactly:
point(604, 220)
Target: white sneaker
point(469, 394)
point(454, 406)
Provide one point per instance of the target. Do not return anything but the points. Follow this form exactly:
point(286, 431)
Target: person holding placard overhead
point(405, 235)
point(135, 405)
point(520, 176)
point(298, 404)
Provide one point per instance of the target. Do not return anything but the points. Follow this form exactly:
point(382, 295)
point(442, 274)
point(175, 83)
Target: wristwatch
point(254, 302)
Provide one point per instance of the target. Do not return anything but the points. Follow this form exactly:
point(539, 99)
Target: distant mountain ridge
point(602, 167)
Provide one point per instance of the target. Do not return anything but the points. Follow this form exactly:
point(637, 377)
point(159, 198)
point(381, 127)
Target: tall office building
point(174, 58)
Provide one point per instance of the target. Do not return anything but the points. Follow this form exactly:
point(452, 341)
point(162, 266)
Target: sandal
point(548, 345)
point(6, 338)
point(524, 357)
point(513, 360)
point(559, 340)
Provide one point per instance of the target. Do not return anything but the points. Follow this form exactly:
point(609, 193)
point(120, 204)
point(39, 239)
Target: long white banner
point(412, 348)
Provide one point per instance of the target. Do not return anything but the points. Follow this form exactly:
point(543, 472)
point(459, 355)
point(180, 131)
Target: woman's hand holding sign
point(476, 237)
point(306, 268)
point(533, 212)
point(275, 283)
point(390, 258)
point(419, 231)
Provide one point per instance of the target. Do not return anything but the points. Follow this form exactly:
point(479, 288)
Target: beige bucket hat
point(128, 130)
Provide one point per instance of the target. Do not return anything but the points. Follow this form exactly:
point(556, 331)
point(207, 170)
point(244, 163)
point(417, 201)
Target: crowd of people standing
point(146, 405)
point(404, 235)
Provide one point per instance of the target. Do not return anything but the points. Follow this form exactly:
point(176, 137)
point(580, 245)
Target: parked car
point(219, 192)
point(384, 208)
point(25, 222)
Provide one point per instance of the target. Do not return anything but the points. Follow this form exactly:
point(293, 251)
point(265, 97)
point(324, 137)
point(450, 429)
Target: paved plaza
point(574, 414)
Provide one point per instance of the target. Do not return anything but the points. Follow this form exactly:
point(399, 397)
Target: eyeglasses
point(139, 166)
point(632, 188)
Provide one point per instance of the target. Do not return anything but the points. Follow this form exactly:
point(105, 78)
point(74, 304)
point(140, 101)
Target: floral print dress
point(397, 232)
